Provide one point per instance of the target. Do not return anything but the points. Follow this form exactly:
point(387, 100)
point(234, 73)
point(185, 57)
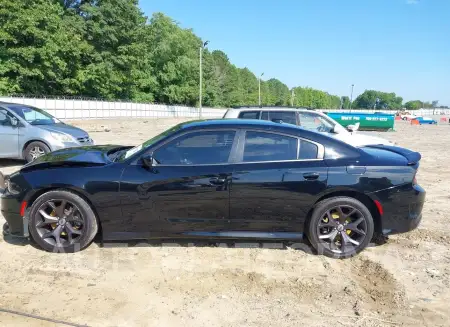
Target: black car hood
point(95, 155)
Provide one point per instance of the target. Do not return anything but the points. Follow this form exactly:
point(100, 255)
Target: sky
point(400, 46)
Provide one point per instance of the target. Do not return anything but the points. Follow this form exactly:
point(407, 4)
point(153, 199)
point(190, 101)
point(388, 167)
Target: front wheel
point(340, 227)
point(35, 150)
point(62, 221)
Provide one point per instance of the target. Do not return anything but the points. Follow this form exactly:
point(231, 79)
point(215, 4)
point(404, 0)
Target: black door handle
point(311, 176)
point(217, 181)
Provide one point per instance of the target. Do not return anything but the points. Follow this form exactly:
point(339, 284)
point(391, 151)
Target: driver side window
point(4, 118)
point(197, 148)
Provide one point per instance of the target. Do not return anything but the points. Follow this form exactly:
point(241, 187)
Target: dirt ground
point(405, 282)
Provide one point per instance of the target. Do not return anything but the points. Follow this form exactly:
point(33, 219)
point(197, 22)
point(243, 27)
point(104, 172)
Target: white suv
point(308, 119)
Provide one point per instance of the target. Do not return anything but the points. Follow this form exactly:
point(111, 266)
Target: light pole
point(351, 97)
point(259, 88)
point(201, 76)
point(292, 97)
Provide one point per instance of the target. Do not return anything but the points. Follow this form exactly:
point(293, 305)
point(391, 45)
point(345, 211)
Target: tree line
point(109, 49)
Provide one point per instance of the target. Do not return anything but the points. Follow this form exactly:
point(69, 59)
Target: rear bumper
point(402, 208)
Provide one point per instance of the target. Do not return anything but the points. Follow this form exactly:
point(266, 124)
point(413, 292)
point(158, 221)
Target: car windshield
point(316, 122)
point(34, 116)
point(128, 153)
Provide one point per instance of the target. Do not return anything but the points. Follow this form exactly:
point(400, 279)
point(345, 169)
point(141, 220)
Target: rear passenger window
point(308, 150)
point(287, 117)
point(249, 115)
point(260, 146)
point(265, 115)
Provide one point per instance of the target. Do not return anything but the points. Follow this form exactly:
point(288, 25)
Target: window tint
point(249, 115)
point(197, 148)
point(308, 150)
point(314, 122)
point(4, 119)
point(287, 117)
point(260, 146)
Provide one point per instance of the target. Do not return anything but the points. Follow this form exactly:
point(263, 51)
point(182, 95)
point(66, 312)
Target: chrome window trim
point(231, 159)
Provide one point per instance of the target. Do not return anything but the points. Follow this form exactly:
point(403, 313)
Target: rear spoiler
point(412, 157)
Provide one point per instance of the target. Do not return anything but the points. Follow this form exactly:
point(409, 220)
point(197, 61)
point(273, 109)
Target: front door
point(186, 192)
point(9, 136)
point(275, 184)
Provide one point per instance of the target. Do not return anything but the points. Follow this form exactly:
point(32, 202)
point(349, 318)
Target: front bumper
point(402, 208)
point(16, 225)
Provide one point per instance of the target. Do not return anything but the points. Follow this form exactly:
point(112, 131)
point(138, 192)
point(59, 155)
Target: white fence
point(96, 109)
point(63, 108)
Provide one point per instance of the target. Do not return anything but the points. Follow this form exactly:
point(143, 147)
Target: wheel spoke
point(60, 208)
point(347, 239)
point(72, 230)
point(47, 235)
point(354, 226)
point(69, 234)
point(57, 234)
point(331, 236)
point(330, 222)
point(47, 219)
point(52, 205)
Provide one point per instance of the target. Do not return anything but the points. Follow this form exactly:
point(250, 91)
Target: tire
point(83, 222)
point(35, 147)
point(322, 224)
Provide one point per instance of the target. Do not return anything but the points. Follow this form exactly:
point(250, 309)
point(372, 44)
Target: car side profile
point(218, 179)
point(28, 133)
point(308, 119)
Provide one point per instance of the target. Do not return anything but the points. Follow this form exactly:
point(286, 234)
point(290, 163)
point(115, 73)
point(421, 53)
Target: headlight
point(63, 137)
point(12, 187)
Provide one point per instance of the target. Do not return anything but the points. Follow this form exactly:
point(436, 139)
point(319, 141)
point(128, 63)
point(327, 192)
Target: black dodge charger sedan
point(216, 179)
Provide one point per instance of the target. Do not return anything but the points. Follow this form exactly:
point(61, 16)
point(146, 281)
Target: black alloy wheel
point(340, 227)
point(62, 221)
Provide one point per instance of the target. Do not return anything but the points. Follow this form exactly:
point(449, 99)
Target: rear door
point(9, 136)
point(275, 182)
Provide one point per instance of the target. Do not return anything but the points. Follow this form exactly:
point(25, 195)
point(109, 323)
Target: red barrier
point(398, 118)
point(444, 119)
point(414, 122)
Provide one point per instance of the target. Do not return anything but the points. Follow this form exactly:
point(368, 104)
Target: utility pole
point(292, 97)
point(351, 97)
point(259, 88)
point(200, 111)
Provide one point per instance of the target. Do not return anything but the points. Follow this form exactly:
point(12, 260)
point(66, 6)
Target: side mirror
point(353, 128)
point(14, 121)
point(148, 161)
point(336, 129)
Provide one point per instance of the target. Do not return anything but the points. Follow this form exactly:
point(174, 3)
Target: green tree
point(368, 100)
point(40, 51)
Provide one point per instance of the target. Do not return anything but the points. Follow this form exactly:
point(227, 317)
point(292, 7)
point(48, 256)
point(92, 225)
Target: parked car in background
point(426, 120)
point(407, 116)
point(308, 119)
point(218, 179)
point(28, 133)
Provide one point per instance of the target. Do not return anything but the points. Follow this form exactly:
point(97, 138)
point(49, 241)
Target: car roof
point(275, 108)
point(294, 130)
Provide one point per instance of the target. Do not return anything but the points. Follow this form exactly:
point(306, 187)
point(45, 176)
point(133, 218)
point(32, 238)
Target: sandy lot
point(404, 282)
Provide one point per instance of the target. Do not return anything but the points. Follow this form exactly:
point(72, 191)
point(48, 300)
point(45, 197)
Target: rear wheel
point(340, 227)
point(35, 150)
point(61, 221)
